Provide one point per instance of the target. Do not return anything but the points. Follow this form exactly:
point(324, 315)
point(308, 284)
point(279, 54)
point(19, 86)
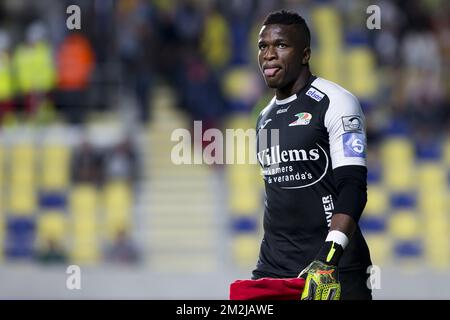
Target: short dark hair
point(289, 18)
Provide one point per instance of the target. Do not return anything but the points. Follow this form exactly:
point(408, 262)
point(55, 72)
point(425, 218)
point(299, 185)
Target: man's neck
point(301, 81)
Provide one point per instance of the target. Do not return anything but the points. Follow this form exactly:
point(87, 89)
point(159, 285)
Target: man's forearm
point(344, 223)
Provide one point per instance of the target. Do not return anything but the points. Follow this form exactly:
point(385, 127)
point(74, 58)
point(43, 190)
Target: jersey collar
point(287, 100)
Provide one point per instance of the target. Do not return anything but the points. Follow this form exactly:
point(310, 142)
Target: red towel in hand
point(267, 289)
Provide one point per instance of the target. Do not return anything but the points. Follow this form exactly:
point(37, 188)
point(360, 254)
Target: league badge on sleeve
point(354, 144)
point(352, 123)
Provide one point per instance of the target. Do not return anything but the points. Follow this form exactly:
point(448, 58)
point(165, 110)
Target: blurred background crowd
point(87, 115)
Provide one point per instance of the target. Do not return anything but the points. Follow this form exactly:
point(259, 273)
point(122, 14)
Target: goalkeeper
point(312, 150)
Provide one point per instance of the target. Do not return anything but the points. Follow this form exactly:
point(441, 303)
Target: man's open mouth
point(271, 72)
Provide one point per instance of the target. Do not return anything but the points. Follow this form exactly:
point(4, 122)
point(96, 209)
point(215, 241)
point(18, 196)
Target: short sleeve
point(346, 128)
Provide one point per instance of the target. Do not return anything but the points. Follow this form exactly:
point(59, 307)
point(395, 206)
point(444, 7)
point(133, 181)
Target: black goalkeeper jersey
point(301, 139)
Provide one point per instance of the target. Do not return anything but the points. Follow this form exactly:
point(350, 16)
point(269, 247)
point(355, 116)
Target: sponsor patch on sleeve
point(354, 144)
point(315, 94)
point(352, 123)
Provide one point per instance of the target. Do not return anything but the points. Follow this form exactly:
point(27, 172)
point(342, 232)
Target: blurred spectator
point(34, 67)
point(188, 22)
point(170, 52)
point(175, 42)
point(53, 253)
point(137, 44)
point(422, 77)
point(87, 164)
point(6, 76)
point(75, 60)
point(121, 162)
point(200, 91)
point(122, 250)
point(216, 40)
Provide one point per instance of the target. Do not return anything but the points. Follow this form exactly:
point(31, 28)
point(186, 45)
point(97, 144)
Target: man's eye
point(262, 46)
point(281, 45)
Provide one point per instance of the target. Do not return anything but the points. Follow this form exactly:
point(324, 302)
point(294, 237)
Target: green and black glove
point(321, 275)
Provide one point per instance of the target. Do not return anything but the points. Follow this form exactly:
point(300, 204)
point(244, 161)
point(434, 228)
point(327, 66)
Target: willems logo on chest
point(274, 155)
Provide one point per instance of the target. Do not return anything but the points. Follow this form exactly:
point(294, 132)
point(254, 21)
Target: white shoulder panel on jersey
point(267, 107)
point(345, 123)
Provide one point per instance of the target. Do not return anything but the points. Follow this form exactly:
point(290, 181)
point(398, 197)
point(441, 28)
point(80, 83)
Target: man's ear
point(306, 55)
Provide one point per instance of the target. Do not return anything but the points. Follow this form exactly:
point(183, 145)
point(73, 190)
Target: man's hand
point(321, 282)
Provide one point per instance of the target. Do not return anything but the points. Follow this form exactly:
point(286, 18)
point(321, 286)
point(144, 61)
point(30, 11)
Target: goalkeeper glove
point(321, 275)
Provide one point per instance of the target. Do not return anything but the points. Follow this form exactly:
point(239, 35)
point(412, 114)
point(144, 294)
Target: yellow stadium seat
point(215, 37)
point(2, 163)
point(404, 225)
point(118, 200)
point(22, 155)
point(399, 179)
point(397, 157)
point(83, 200)
point(380, 247)
point(328, 65)
point(377, 200)
point(52, 225)
point(241, 175)
point(117, 195)
point(56, 155)
point(55, 167)
point(83, 207)
point(22, 176)
point(245, 250)
point(244, 201)
point(437, 252)
point(85, 238)
point(432, 176)
point(22, 200)
point(85, 253)
point(361, 72)
point(436, 241)
point(328, 25)
point(397, 152)
point(436, 226)
point(84, 227)
point(243, 179)
point(55, 178)
point(239, 82)
point(433, 202)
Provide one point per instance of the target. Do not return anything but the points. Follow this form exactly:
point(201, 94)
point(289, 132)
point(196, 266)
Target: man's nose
point(270, 53)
